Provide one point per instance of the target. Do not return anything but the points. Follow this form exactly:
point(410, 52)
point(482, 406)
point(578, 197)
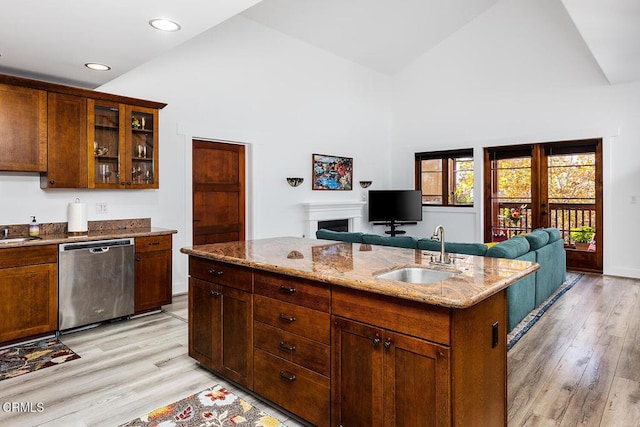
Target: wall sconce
point(365, 184)
point(294, 182)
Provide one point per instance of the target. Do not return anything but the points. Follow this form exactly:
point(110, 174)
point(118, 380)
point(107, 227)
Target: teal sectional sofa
point(544, 246)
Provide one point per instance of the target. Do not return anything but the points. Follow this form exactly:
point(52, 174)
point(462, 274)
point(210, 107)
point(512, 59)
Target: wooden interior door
point(218, 192)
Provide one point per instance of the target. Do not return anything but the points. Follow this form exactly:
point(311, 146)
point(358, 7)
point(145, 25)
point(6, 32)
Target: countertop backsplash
point(57, 228)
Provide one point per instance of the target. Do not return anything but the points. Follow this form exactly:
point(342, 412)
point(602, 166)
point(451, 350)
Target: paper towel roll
point(77, 217)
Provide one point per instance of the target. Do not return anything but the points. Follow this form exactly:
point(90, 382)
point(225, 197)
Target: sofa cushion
point(343, 236)
point(521, 296)
point(537, 239)
point(553, 268)
point(554, 234)
point(453, 247)
point(466, 248)
point(512, 248)
point(427, 244)
point(397, 241)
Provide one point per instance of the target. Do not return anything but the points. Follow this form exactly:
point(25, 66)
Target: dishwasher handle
point(100, 250)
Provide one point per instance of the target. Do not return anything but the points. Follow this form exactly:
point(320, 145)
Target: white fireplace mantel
point(326, 211)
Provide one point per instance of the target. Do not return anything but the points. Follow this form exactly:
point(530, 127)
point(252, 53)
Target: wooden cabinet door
point(67, 142)
point(23, 129)
point(236, 330)
point(152, 280)
point(28, 301)
point(204, 314)
point(356, 374)
point(416, 382)
point(139, 160)
point(105, 143)
point(220, 330)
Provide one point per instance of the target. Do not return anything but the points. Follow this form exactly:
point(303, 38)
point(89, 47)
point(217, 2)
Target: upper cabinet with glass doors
point(123, 146)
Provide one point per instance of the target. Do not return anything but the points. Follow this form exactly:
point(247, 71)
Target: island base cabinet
point(221, 333)
point(381, 378)
point(293, 387)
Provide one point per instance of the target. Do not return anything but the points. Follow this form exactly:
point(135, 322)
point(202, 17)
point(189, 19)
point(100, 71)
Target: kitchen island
point(308, 325)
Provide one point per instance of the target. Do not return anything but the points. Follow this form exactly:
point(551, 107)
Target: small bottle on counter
point(34, 227)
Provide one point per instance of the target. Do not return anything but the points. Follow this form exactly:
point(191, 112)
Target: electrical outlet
point(102, 208)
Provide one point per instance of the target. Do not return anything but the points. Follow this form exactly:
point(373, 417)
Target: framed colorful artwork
point(332, 172)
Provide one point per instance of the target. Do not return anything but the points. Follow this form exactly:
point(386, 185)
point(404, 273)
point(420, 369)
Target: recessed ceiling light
point(164, 24)
point(97, 66)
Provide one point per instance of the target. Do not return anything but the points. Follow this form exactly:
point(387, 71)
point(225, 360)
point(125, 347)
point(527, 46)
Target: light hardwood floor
point(579, 365)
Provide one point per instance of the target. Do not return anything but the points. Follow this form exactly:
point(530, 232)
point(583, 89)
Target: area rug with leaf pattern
point(215, 406)
point(24, 358)
point(527, 323)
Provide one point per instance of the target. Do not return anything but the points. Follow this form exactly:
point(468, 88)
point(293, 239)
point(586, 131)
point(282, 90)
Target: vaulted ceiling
point(52, 40)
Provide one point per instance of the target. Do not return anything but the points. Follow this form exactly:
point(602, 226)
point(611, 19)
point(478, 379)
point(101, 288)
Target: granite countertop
point(355, 265)
point(58, 238)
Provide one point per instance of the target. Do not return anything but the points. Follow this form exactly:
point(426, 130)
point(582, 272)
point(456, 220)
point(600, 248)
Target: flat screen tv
point(395, 205)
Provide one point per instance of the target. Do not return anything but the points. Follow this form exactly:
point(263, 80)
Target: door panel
point(218, 192)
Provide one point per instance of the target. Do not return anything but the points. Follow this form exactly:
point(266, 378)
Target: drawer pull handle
point(286, 318)
point(387, 344)
point(286, 290)
point(376, 340)
point(216, 272)
point(287, 376)
point(287, 347)
point(214, 294)
point(154, 243)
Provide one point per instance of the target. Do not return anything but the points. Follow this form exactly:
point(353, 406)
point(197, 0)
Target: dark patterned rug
point(523, 327)
point(24, 358)
point(215, 406)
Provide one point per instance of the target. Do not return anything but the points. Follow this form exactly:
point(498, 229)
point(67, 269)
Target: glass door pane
point(106, 146)
point(572, 198)
point(510, 197)
point(143, 148)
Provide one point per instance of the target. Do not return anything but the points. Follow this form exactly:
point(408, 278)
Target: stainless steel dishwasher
point(95, 282)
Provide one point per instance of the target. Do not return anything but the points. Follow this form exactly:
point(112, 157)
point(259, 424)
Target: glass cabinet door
point(106, 140)
point(142, 147)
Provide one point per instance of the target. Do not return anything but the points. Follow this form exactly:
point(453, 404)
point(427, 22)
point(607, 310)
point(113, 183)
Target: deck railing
point(563, 216)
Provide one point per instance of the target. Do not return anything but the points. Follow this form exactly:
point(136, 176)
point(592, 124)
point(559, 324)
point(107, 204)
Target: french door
point(556, 184)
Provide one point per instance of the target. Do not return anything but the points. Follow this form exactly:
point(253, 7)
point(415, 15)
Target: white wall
point(286, 100)
point(521, 73)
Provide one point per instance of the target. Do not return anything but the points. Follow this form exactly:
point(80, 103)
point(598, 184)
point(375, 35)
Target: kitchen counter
point(54, 239)
point(56, 233)
point(354, 265)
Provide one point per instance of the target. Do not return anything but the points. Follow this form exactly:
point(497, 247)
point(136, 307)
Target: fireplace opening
point(334, 225)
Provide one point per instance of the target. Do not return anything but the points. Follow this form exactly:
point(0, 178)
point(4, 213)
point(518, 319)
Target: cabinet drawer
point(296, 389)
point(28, 255)
point(152, 243)
point(296, 291)
point(294, 348)
point(303, 321)
point(219, 272)
point(425, 321)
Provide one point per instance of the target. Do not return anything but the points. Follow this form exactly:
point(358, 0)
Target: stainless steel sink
point(416, 275)
point(16, 240)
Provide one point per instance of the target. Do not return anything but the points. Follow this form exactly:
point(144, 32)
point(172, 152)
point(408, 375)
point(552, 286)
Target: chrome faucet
point(438, 235)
